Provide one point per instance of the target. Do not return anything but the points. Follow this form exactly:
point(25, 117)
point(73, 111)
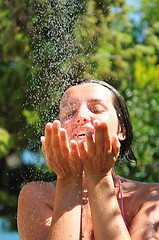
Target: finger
point(98, 136)
point(48, 134)
point(82, 149)
point(44, 151)
point(74, 150)
point(43, 145)
point(90, 142)
point(42, 139)
point(56, 126)
point(64, 143)
point(106, 136)
point(115, 146)
point(55, 141)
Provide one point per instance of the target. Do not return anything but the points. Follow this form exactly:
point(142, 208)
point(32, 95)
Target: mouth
point(82, 133)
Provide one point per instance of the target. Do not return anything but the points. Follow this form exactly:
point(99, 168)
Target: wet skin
point(86, 138)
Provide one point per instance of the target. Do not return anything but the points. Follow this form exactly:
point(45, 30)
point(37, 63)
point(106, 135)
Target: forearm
point(66, 216)
point(106, 215)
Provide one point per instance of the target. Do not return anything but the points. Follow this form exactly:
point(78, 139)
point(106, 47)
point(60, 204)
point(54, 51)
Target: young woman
point(89, 201)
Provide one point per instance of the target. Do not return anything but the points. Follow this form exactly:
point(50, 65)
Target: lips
point(81, 133)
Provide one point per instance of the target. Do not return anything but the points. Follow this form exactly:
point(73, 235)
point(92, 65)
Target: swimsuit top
point(122, 203)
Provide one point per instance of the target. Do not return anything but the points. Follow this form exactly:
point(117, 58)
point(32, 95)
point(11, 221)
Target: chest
point(87, 233)
point(86, 223)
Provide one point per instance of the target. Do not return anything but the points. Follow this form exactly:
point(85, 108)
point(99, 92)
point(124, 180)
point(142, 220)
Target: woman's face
point(82, 104)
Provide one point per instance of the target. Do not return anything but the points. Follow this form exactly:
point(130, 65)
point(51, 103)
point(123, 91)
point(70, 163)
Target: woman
point(89, 201)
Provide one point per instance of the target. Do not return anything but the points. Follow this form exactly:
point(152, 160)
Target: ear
point(121, 134)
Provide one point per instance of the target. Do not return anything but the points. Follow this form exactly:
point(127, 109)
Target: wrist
point(100, 178)
point(70, 178)
point(70, 187)
point(70, 182)
point(100, 175)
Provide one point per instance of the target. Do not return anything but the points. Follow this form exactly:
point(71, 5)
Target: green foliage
point(31, 116)
point(14, 49)
point(6, 142)
point(8, 200)
point(147, 73)
point(104, 33)
point(144, 112)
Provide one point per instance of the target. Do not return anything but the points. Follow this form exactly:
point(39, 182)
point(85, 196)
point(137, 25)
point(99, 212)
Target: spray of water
point(62, 42)
point(53, 56)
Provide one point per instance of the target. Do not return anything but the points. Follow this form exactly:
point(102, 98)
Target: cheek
point(112, 122)
point(68, 127)
point(65, 124)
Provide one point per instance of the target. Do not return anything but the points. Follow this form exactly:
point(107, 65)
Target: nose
point(83, 115)
point(82, 120)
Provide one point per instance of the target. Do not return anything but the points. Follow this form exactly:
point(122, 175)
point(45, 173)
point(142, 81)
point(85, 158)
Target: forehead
point(86, 92)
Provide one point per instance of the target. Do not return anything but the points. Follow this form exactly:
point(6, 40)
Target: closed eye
point(97, 109)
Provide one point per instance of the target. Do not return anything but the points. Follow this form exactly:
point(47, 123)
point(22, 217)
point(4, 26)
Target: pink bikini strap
point(122, 203)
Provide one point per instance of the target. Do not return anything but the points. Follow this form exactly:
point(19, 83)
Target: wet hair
point(122, 114)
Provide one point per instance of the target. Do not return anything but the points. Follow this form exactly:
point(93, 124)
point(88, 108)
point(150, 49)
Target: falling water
point(54, 53)
point(64, 34)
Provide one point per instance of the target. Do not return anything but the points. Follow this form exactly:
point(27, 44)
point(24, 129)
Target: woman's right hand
point(61, 156)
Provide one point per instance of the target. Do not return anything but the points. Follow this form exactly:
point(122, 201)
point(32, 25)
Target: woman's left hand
point(100, 155)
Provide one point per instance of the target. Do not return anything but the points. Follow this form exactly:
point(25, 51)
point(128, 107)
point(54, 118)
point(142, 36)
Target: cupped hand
point(101, 153)
point(61, 156)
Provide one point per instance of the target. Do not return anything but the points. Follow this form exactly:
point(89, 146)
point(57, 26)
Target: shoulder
point(36, 189)
point(153, 191)
point(147, 216)
point(37, 193)
point(35, 206)
point(141, 191)
point(142, 204)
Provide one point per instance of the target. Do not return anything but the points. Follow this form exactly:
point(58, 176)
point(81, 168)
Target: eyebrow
point(99, 100)
point(96, 100)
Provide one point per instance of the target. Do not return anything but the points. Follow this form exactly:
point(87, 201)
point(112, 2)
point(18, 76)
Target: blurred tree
point(143, 97)
point(14, 68)
point(104, 34)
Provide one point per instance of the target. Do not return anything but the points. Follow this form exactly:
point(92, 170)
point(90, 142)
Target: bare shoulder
point(39, 191)
point(145, 191)
point(35, 206)
point(141, 208)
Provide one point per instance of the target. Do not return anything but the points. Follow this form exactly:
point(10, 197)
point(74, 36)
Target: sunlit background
point(46, 44)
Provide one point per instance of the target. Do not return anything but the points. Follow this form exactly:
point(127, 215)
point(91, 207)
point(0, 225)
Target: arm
point(66, 217)
point(145, 224)
point(38, 207)
point(106, 215)
point(35, 210)
point(98, 161)
point(45, 213)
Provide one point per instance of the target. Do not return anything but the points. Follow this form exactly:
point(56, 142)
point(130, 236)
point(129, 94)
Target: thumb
point(115, 146)
point(43, 145)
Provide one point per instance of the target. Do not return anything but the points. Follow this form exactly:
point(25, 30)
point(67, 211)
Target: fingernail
point(72, 141)
point(96, 123)
point(42, 138)
point(88, 132)
point(55, 124)
point(62, 132)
